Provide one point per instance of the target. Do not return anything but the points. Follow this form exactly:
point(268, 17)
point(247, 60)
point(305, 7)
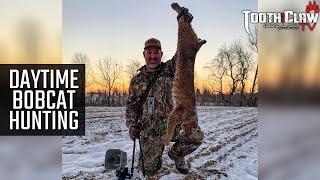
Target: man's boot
point(181, 165)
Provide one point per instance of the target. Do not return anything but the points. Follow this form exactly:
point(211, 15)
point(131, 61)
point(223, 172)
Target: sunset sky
point(46, 31)
point(118, 28)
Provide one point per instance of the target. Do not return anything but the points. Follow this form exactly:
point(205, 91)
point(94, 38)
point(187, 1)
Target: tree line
point(228, 76)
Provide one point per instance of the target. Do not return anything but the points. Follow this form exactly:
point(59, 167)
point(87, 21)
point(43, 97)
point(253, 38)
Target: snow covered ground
point(229, 150)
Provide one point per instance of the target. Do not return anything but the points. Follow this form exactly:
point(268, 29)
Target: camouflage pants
point(153, 148)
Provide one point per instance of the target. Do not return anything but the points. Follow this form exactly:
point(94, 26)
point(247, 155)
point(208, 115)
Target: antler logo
point(311, 7)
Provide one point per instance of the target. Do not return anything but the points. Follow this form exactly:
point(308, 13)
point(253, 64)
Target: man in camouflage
point(154, 112)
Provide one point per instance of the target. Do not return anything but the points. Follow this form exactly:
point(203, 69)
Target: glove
point(185, 12)
point(134, 132)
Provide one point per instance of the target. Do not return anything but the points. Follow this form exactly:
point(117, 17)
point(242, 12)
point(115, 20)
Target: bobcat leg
point(200, 43)
point(172, 122)
point(190, 125)
point(176, 7)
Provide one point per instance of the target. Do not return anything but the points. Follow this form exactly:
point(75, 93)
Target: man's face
point(153, 56)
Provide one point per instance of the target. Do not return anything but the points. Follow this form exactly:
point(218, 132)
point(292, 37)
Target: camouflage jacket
point(153, 119)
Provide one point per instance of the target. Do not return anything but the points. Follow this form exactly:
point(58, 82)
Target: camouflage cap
point(152, 42)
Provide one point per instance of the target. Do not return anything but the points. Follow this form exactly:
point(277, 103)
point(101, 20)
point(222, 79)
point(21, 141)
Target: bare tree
point(254, 84)
point(132, 67)
point(217, 71)
point(82, 58)
point(253, 44)
point(244, 64)
point(253, 40)
point(232, 71)
point(223, 67)
point(231, 67)
point(109, 74)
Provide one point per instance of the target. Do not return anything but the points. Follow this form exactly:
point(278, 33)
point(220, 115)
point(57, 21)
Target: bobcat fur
point(183, 92)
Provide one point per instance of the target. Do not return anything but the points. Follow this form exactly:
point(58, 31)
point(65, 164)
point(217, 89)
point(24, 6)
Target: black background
point(6, 98)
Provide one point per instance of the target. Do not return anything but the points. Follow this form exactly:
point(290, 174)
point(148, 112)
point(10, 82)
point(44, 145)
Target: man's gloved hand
point(134, 131)
point(187, 15)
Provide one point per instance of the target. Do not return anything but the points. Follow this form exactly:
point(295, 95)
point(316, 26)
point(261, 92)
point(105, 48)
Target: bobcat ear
point(200, 43)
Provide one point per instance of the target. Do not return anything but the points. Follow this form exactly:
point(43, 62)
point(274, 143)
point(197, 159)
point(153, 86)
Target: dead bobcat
point(184, 110)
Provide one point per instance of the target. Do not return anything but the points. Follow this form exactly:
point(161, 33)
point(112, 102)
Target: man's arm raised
point(170, 64)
